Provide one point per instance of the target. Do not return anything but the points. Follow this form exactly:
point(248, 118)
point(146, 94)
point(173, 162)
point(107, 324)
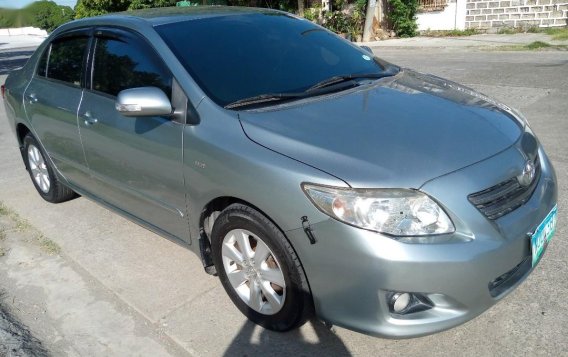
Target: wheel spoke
point(255, 298)
point(274, 276)
point(237, 278)
point(231, 252)
point(261, 253)
point(42, 183)
point(271, 296)
point(45, 180)
point(35, 152)
point(244, 244)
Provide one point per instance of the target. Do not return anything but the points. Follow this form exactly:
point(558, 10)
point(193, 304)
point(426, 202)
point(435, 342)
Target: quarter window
point(65, 60)
point(122, 65)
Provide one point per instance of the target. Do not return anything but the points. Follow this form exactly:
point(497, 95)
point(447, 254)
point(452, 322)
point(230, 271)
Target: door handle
point(89, 119)
point(32, 98)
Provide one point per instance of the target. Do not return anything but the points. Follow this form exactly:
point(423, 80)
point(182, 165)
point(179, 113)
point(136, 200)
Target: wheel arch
point(21, 131)
point(208, 216)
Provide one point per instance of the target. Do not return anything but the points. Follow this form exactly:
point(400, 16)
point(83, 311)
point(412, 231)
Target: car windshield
point(246, 55)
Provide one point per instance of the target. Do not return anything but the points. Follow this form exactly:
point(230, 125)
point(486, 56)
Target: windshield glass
point(244, 55)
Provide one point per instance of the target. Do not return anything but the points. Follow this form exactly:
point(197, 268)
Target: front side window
point(120, 65)
point(65, 60)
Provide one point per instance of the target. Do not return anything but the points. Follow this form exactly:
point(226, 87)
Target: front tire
point(259, 269)
point(43, 174)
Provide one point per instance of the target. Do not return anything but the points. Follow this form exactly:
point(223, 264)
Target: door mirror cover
point(367, 48)
point(143, 101)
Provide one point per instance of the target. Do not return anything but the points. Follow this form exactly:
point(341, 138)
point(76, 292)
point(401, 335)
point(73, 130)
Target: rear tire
point(43, 174)
point(267, 282)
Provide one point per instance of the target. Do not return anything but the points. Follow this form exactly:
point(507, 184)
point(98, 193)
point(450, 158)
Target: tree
point(402, 15)
point(46, 15)
point(87, 8)
point(301, 7)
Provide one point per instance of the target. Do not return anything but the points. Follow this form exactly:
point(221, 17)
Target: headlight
point(396, 212)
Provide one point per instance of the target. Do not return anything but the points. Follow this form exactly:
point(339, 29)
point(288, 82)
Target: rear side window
point(120, 65)
point(65, 60)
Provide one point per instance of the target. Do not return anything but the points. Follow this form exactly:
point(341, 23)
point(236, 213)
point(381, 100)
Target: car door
point(136, 162)
point(51, 101)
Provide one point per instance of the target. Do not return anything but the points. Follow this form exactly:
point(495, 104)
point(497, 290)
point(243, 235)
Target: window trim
point(122, 34)
point(85, 32)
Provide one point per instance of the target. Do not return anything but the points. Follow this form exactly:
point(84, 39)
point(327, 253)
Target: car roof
point(166, 15)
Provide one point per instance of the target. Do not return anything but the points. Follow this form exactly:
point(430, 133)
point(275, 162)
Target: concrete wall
point(34, 31)
point(452, 17)
point(492, 14)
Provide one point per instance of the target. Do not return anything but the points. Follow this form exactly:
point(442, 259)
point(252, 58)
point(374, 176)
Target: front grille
point(505, 197)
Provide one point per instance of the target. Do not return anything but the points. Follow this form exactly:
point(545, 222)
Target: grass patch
point(533, 46)
point(449, 33)
point(514, 30)
point(509, 30)
point(21, 224)
point(32, 234)
point(4, 211)
point(558, 33)
point(47, 245)
point(537, 45)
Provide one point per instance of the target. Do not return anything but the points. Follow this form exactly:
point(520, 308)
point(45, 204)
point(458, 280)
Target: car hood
point(400, 131)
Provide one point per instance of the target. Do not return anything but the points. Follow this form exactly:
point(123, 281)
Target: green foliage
point(558, 33)
point(537, 45)
point(87, 8)
point(348, 18)
point(336, 21)
point(402, 15)
point(46, 15)
point(450, 33)
point(312, 14)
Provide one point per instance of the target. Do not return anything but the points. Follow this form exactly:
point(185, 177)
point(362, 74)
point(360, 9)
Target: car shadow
point(253, 340)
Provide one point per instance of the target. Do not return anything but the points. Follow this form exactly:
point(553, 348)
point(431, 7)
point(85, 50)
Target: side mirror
point(142, 102)
point(368, 49)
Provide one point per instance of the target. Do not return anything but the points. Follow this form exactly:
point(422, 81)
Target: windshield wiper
point(346, 78)
point(314, 90)
point(264, 98)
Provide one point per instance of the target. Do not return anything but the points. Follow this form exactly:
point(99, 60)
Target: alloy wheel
point(253, 271)
point(38, 168)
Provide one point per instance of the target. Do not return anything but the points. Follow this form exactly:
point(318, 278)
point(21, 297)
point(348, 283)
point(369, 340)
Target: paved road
point(14, 58)
point(162, 298)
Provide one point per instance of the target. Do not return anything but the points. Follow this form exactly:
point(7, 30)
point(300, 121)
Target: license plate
point(542, 235)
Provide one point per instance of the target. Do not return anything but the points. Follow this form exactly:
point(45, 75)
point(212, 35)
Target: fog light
point(407, 303)
point(400, 302)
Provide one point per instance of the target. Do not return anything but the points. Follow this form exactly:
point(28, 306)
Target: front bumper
point(352, 271)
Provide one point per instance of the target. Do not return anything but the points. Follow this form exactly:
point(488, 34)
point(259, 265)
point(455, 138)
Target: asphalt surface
point(14, 59)
point(155, 298)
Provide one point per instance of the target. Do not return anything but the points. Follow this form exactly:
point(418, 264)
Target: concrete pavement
point(117, 289)
point(464, 42)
